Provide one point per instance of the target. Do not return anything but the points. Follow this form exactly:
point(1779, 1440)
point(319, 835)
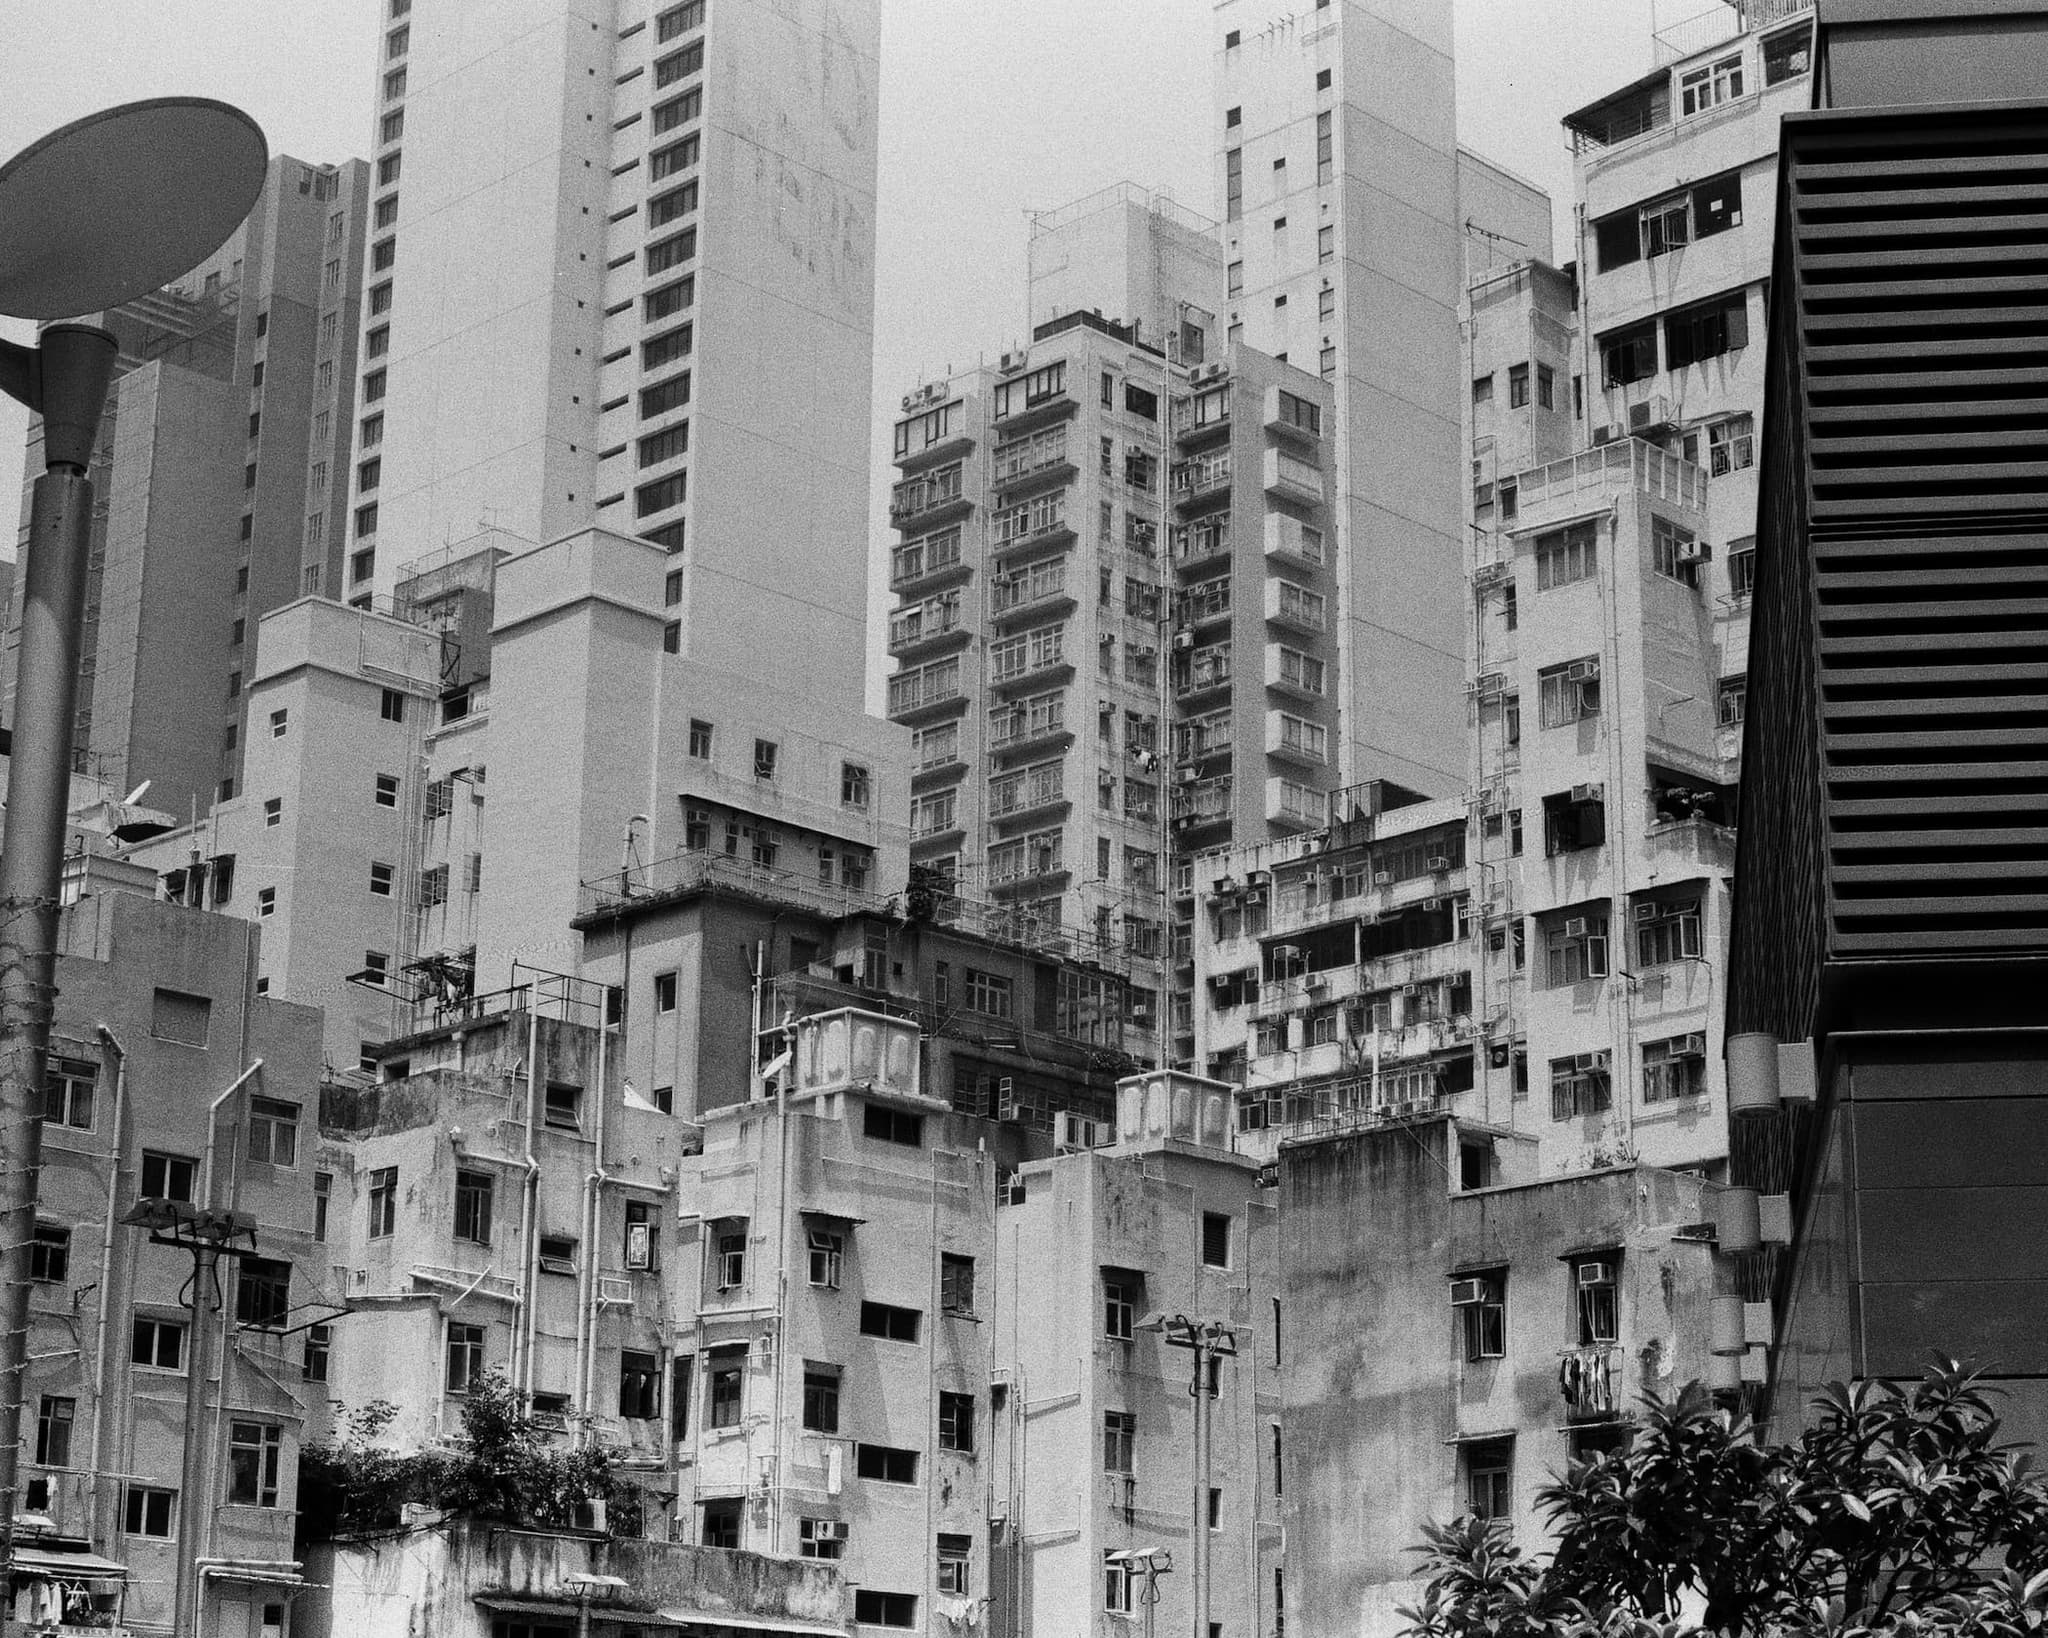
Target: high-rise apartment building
point(620, 274)
point(221, 425)
point(1343, 245)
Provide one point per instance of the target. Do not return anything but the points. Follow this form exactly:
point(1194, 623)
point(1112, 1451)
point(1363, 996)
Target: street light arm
point(21, 374)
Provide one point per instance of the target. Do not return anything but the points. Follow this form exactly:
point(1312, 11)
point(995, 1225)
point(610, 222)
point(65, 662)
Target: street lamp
point(100, 212)
point(1208, 1339)
point(1152, 1563)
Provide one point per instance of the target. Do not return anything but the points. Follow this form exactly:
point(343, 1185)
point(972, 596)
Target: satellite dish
point(120, 203)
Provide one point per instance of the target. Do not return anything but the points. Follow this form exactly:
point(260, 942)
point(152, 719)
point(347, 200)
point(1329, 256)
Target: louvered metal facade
point(1895, 802)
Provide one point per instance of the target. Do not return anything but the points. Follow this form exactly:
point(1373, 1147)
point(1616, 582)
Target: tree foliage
point(1897, 1512)
point(501, 1467)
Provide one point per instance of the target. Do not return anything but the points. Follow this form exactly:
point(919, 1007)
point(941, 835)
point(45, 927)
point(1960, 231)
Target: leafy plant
point(501, 1467)
point(1887, 1517)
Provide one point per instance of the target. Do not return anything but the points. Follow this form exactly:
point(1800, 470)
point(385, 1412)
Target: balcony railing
point(1192, 478)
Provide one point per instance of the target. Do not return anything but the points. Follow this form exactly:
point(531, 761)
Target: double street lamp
point(98, 213)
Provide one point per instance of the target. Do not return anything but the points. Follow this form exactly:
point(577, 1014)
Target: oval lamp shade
point(122, 202)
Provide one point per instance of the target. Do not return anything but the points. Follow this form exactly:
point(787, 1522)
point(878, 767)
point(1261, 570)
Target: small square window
point(273, 813)
point(393, 708)
point(1215, 1239)
point(387, 791)
point(766, 754)
point(700, 739)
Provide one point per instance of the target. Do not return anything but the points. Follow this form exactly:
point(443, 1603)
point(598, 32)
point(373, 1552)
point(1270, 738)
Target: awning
point(749, 1623)
point(829, 1215)
point(1480, 1438)
point(514, 1604)
point(41, 1561)
point(249, 1575)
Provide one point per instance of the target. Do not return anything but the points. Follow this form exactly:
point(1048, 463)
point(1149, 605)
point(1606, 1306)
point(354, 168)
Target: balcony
point(1037, 589)
point(917, 566)
point(1202, 602)
point(1289, 540)
point(1203, 418)
point(1594, 476)
point(1031, 462)
point(1022, 406)
point(1203, 737)
point(925, 626)
point(1290, 477)
point(1206, 670)
point(1040, 522)
point(927, 692)
point(1202, 478)
point(1029, 725)
point(1202, 543)
point(1205, 803)
point(927, 498)
point(1014, 664)
point(1027, 793)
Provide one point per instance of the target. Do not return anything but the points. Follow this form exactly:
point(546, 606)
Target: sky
point(990, 109)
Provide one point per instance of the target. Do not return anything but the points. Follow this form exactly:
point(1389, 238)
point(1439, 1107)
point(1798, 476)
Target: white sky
point(990, 109)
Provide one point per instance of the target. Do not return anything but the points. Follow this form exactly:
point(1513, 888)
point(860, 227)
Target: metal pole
point(1201, 1530)
point(192, 1503)
point(70, 372)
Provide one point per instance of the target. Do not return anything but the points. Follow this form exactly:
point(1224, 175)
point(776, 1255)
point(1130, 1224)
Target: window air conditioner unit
point(1226, 884)
point(1591, 1060)
point(1383, 878)
point(1647, 912)
point(1439, 862)
point(1183, 640)
point(1583, 671)
point(1317, 981)
point(827, 1529)
point(1695, 1042)
point(1467, 1293)
point(614, 1292)
point(1257, 878)
point(1575, 927)
point(1411, 989)
point(1606, 434)
point(1010, 363)
point(1698, 552)
point(1600, 1273)
point(1588, 793)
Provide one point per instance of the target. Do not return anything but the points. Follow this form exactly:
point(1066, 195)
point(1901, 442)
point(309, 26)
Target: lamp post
point(97, 213)
point(1207, 1340)
point(1152, 1563)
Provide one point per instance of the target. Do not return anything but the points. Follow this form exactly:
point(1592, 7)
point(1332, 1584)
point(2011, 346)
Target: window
point(1569, 693)
point(273, 1132)
point(669, 300)
point(1118, 1581)
point(664, 446)
point(53, 1431)
point(821, 1538)
point(884, 1609)
point(679, 65)
point(1575, 949)
point(726, 1387)
point(853, 785)
point(988, 993)
point(465, 1357)
point(68, 1087)
point(1482, 1306)
point(888, 1125)
point(1674, 553)
point(473, 1203)
point(1119, 1441)
point(254, 1452)
point(1788, 54)
point(1482, 389)
point(167, 1177)
point(147, 1510)
point(1518, 386)
point(1695, 334)
point(643, 1236)
point(563, 1107)
point(1667, 930)
point(660, 496)
point(1489, 1473)
point(1574, 819)
point(721, 1523)
point(1732, 701)
point(821, 1397)
point(263, 1292)
point(678, 21)
point(700, 739)
point(1215, 1239)
point(49, 1255)
point(1566, 556)
point(1731, 445)
point(956, 1284)
point(380, 879)
point(1581, 1084)
point(766, 753)
point(956, 1422)
point(885, 1463)
point(1710, 85)
point(1326, 244)
point(956, 1556)
point(1233, 184)
point(881, 1319)
point(392, 707)
point(383, 1201)
point(279, 721)
point(1546, 387)
point(1630, 354)
point(323, 1195)
point(158, 1345)
point(730, 1250)
point(639, 1386)
point(319, 1348)
point(1325, 137)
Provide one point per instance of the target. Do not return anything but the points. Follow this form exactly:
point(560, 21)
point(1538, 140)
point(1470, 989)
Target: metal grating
point(1919, 250)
